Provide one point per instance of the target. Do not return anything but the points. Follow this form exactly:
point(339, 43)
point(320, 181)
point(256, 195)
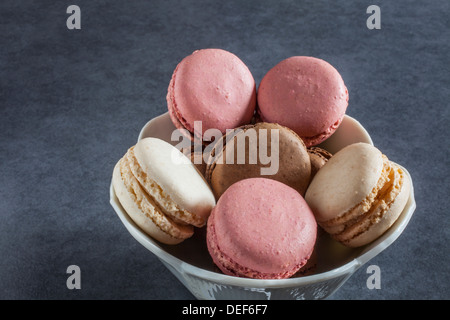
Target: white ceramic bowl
point(192, 265)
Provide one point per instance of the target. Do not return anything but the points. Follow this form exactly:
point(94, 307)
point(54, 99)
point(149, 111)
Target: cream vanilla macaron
point(358, 194)
point(162, 191)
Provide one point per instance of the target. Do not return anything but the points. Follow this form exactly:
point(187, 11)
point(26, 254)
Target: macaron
point(162, 191)
point(306, 94)
point(262, 229)
point(195, 154)
point(213, 86)
point(318, 157)
point(358, 194)
point(263, 149)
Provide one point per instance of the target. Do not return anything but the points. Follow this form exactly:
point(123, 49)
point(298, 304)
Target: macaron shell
point(144, 212)
point(305, 94)
point(293, 169)
point(318, 157)
point(265, 226)
point(344, 181)
point(176, 175)
point(214, 86)
point(176, 122)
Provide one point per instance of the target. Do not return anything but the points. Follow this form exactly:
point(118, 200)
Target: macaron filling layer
point(149, 207)
point(319, 152)
point(163, 200)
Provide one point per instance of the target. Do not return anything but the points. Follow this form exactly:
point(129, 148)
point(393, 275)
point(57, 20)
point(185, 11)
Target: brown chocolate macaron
point(259, 150)
point(318, 158)
point(195, 154)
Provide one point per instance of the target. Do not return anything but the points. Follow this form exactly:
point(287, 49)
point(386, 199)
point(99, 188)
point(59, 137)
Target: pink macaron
point(261, 228)
point(213, 86)
point(305, 94)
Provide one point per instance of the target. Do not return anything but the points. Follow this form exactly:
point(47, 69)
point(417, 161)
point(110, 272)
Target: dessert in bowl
point(192, 264)
point(208, 207)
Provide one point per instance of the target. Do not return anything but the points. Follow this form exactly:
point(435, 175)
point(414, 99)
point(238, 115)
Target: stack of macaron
point(261, 213)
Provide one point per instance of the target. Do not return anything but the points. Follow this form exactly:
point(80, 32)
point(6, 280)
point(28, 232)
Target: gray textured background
point(73, 101)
